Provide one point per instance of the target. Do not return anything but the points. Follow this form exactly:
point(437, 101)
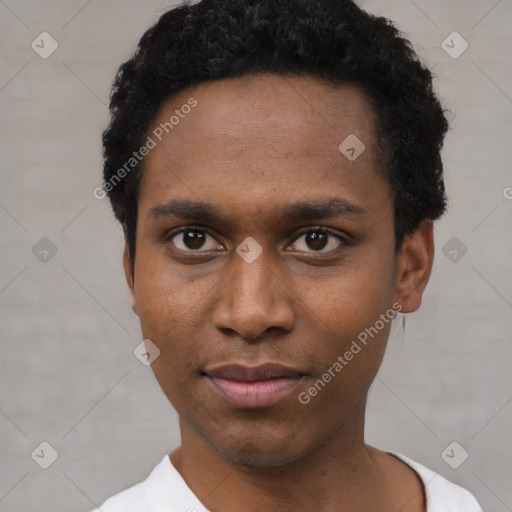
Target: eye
point(318, 240)
point(193, 240)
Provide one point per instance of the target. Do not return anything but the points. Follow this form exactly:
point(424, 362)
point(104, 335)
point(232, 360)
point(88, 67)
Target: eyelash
point(344, 241)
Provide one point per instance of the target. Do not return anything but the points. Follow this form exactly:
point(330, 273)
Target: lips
point(261, 372)
point(252, 387)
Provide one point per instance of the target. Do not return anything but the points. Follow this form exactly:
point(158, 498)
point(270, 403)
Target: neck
point(341, 474)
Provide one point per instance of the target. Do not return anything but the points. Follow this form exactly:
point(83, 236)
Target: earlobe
point(129, 273)
point(413, 267)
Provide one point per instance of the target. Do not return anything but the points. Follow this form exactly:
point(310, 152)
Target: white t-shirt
point(164, 490)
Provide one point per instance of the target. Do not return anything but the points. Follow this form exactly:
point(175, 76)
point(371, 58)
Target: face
point(260, 244)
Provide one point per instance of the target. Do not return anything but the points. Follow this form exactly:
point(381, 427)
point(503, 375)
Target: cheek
point(352, 316)
point(165, 299)
point(353, 341)
point(354, 296)
point(162, 318)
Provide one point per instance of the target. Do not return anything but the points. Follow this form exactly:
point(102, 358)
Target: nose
point(253, 300)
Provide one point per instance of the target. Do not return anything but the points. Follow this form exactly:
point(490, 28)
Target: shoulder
point(135, 497)
point(441, 494)
point(125, 501)
point(163, 489)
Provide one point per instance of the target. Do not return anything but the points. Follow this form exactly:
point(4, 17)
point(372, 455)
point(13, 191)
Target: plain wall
point(67, 369)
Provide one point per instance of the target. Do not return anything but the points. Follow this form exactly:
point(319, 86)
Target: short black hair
point(334, 40)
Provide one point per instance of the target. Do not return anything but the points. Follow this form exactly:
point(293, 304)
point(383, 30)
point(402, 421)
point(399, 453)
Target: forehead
point(264, 137)
point(267, 104)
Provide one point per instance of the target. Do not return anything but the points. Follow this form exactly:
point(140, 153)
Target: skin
point(251, 146)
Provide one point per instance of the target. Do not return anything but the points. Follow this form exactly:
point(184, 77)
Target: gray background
point(68, 373)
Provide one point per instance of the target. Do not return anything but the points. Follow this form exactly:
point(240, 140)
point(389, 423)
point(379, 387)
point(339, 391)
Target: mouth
point(253, 387)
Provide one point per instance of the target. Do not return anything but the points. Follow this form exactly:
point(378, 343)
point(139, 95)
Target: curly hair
point(333, 40)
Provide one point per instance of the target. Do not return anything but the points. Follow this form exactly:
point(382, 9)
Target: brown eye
point(193, 239)
point(318, 240)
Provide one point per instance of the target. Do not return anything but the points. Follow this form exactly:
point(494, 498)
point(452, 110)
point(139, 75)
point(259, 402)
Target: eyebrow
point(297, 211)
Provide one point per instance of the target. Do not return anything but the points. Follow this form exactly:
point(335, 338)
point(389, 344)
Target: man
point(275, 165)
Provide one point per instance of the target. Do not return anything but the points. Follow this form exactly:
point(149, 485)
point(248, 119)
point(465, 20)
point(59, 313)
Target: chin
point(256, 456)
point(262, 452)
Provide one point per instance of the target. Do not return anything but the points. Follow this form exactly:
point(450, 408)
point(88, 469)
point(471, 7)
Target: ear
point(130, 276)
point(414, 265)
